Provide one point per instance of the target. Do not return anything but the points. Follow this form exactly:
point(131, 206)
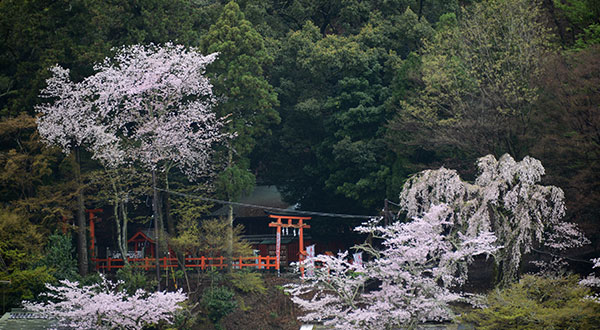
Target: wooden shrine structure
point(143, 254)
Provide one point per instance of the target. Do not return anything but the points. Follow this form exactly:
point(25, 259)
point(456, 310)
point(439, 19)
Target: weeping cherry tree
point(505, 199)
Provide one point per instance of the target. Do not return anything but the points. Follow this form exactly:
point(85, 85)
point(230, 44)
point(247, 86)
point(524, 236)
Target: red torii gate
point(290, 224)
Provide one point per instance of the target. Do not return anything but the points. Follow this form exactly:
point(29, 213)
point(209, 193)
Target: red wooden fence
point(258, 262)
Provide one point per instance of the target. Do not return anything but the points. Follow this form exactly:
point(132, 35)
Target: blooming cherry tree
point(65, 122)
point(159, 101)
point(103, 306)
point(407, 282)
point(593, 281)
point(336, 288)
point(146, 105)
point(505, 199)
point(423, 263)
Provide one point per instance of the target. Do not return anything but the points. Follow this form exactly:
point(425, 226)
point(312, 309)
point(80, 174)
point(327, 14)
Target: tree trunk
point(157, 226)
point(82, 256)
point(124, 236)
point(170, 221)
point(230, 239)
point(182, 265)
point(121, 232)
point(230, 222)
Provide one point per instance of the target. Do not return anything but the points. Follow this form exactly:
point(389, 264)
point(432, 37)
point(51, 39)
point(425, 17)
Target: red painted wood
point(267, 262)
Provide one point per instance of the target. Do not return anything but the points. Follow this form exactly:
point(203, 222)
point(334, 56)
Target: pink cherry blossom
point(104, 306)
point(406, 282)
point(150, 105)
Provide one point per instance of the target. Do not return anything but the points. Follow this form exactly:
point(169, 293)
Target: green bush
point(25, 284)
point(248, 282)
point(21, 253)
point(59, 258)
point(218, 302)
point(133, 278)
point(538, 303)
point(184, 318)
point(91, 279)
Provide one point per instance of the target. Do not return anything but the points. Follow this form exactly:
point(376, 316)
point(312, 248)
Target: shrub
point(133, 278)
point(184, 318)
point(538, 303)
point(25, 284)
point(247, 282)
point(21, 247)
point(59, 257)
point(219, 302)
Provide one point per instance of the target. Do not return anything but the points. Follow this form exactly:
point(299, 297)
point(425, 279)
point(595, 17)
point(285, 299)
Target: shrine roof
point(267, 196)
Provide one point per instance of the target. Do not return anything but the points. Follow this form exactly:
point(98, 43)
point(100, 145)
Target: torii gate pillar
point(93, 218)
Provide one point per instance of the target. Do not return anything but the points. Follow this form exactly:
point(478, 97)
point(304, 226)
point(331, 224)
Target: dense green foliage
point(247, 281)
point(477, 75)
point(208, 239)
point(133, 279)
point(59, 257)
point(21, 247)
point(584, 20)
point(219, 302)
point(538, 303)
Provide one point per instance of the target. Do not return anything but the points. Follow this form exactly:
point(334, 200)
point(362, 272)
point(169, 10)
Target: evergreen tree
point(244, 95)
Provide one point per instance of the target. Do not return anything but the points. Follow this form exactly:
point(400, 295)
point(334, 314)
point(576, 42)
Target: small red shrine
point(144, 243)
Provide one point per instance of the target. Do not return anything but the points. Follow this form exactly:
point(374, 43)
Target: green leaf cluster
point(133, 279)
point(218, 302)
point(478, 76)
point(59, 257)
point(208, 238)
point(238, 77)
point(537, 302)
point(584, 18)
point(21, 246)
point(333, 92)
point(247, 281)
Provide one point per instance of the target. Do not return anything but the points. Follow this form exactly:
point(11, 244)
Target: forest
point(474, 124)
